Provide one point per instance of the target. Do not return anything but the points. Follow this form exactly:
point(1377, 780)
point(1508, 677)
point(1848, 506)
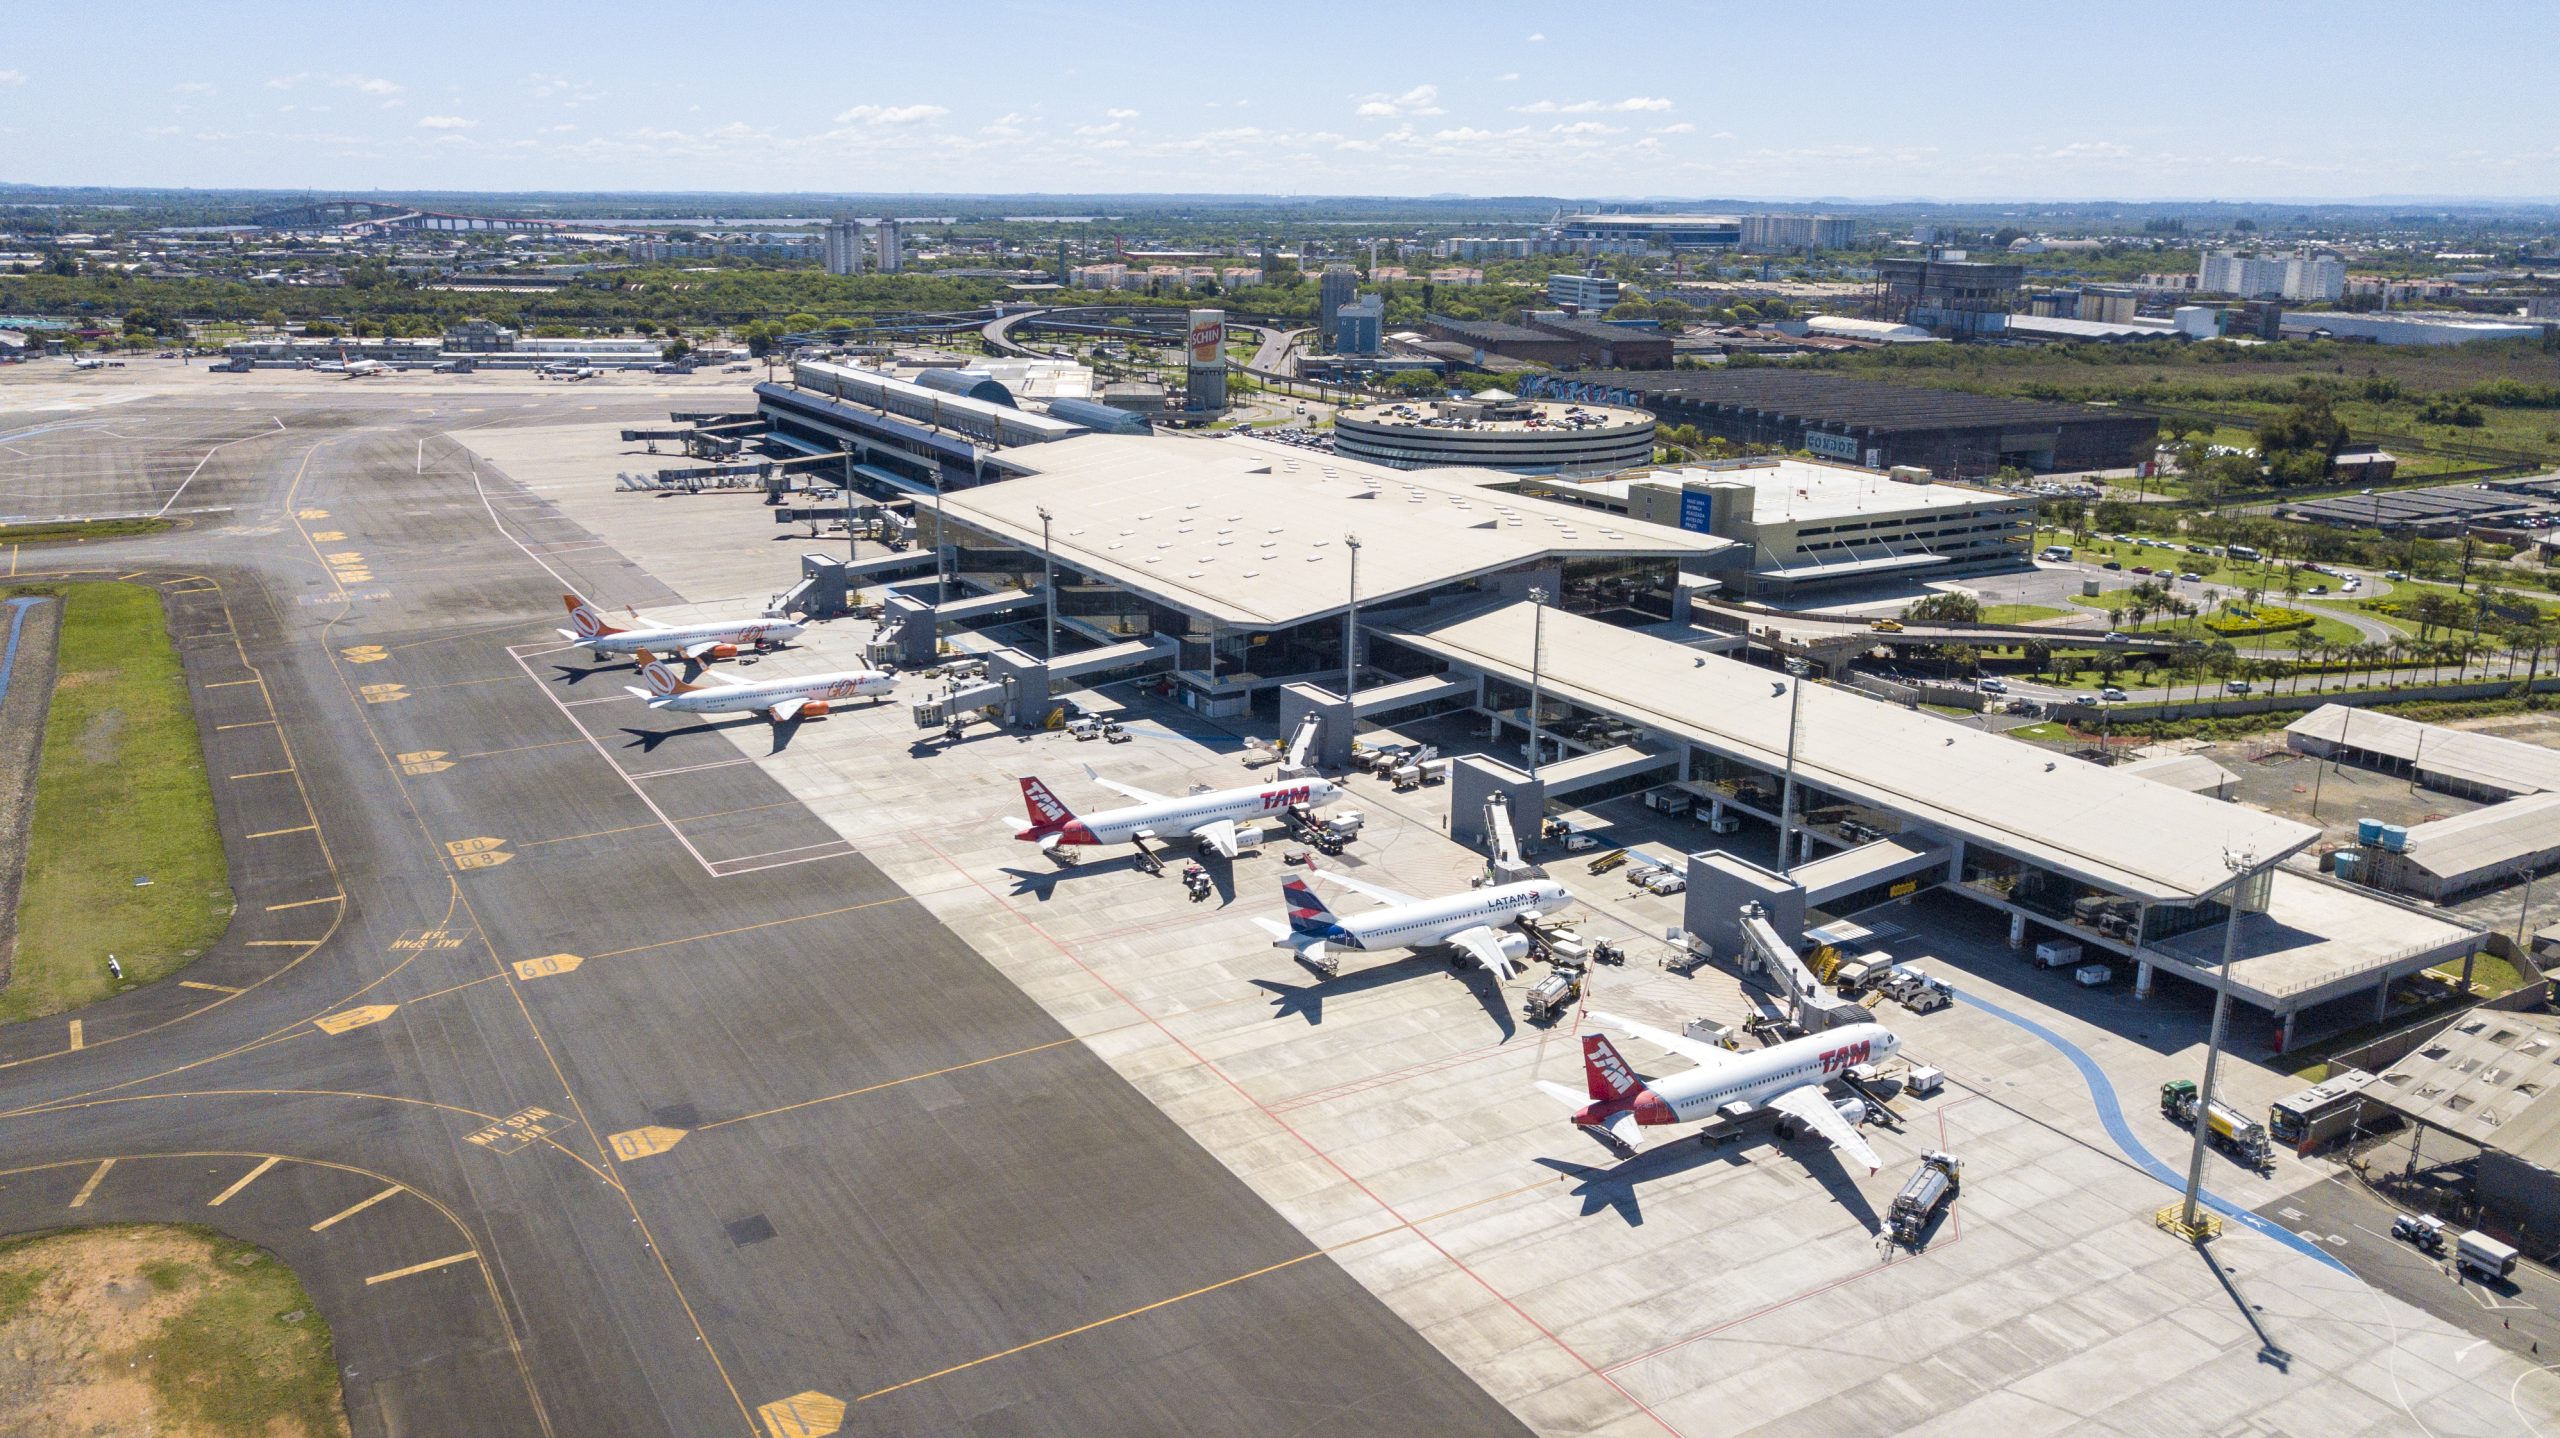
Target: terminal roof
point(2117, 830)
point(1250, 533)
point(2459, 755)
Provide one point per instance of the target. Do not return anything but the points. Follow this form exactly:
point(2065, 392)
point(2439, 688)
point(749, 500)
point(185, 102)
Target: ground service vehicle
point(2483, 1256)
point(2424, 1230)
point(1923, 1194)
point(1550, 996)
point(2057, 953)
point(2230, 1130)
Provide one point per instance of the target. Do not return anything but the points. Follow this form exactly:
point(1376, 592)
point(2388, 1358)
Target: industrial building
point(1495, 429)
point(1660, 232)
point(1805, 526)
point(2448, 859)
point(1605, 345)
point(2454, 761)
point(2491, 1079)
point(2408, 327)
point(2305, 276)
point(1483, 338)
point(2444, 511)
point(1963, 298)
point(1951, 434)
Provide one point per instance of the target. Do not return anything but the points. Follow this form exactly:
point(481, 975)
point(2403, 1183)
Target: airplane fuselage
point(676, 638)
point(758, 697)
point(1430, 922)
point(1753, 1079)
point(1169, 817)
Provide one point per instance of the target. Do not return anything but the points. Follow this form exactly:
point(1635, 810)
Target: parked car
point(1993, 686)
point(2191, 577)
point(2109, 693)
point(2317, 590)
point(2236, 686)
point(2142, 569)
point(2111, 564)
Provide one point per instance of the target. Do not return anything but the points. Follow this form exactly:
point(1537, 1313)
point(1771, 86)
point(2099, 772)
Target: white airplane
point(1788, 1077)
point(365, 368)
point(1473, 923)
point(1212, 818)
point(780, 700)
point(718, 639)
point(87, 362)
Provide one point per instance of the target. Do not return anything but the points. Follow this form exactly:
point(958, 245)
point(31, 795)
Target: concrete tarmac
point(588, 1101)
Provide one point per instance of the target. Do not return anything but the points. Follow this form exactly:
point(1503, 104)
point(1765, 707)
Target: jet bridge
point(1297, 757)
point(1506, 866)
point(1813, 1007)
point(1411, 694)
point(1604, 766)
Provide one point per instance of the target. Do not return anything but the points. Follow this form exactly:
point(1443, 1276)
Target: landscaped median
point(123, 854)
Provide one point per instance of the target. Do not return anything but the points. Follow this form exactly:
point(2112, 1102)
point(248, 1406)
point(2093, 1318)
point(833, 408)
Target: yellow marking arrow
point(324, 536)
point(364, 654)
point(802, 1415)
point(642, 1142)
point(346, 1019)
point(311, 514)
point(425, 761)
point(547, 965)
point(480, 845)
point(384, 693)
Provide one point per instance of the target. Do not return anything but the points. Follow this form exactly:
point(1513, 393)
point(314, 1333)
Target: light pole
point(2243, 866)
point(851, 550)
point(1787, 786)
point(1537, 653)
point(1048, 590)
point(1351, 625)
point(941, 576)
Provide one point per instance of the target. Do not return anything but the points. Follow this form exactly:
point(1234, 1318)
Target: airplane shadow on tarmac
point(648, 740)
point(575, 674)
point(1614, 1187)
point(1307, 1000)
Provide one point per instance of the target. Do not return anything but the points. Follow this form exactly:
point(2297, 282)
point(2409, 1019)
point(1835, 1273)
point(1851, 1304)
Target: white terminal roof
point(2482, 760)
point(2192, 772)
point(1250, 533)
point(1806, 492)
point(2117, 830)
point(1546, 416)
point(2485, 838)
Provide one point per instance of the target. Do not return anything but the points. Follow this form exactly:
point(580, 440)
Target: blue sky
point(2243, 99)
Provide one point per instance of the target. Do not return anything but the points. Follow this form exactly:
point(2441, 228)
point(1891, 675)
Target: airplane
point(780, 700)
point(1212, 818)
point(1788, 1077)
point(1473, 923)
point(330, 367)
point(87, 362)
point(719, 639)
point(364, 368)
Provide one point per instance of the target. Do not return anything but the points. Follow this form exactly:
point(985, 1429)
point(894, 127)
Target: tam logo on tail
point(1605, 1072)
point(1047, 810)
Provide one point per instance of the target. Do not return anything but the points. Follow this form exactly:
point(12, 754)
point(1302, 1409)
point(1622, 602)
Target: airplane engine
point(814, 709)
point(722, 651)
point(1515, 946)
point(1854, 1110)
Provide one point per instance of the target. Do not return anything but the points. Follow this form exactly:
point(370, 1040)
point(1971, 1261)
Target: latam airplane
point(366, 368)
point(1788, 1077)
point(719, 639)
point(1212, 817)
point(1472, 923)
point(780, 700)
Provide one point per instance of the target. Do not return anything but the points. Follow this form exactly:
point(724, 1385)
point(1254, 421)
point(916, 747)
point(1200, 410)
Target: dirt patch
point(102, 1332)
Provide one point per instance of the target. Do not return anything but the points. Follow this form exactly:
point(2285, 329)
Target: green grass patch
point(2045, 732)
point(2490, 975)
point(61, 531)
point(18, 1288)
point(250, 1355)
point(121, 795)
point(2020, 613)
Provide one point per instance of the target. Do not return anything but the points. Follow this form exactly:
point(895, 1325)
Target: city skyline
point(1499, 100)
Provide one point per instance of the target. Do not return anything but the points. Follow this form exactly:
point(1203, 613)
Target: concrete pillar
point(2142, 978)
point(1472, 779)
point(2382, 1000)
point(2017, 932)
point(2284, 1041)
point(2467, 960)
point(1332, 753)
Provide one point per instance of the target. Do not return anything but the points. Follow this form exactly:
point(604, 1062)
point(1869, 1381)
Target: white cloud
point(373, 85)
point(1463, 133)
point(1683, 128)
point(162, 130)
point(1538, 39)
point(287, 82)
point(13, 77)
point(1507, 78)
point(890, 114)
point(1420, 100)
point(544, 85)
point(193, 87)
point(1588, 127)
point(445, 122)
point(1593, 107)
point(1092, 130)
point(1121, 114)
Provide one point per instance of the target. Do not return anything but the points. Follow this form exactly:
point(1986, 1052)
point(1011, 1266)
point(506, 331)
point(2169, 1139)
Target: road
point(589, 1082)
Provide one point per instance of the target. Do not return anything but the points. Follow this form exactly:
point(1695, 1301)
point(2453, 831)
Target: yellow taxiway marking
point(1089, 1327)
point(81, 1199)
point(76, 1041)
point(891, 1083)
point(281, 944)
point(480, 853)
point(365, 653)
point(802, 1415)
point(642, 1142)
point(547, 965)
point(384, 693)
point(424, 761)
point(263, 774)
point(278, 833)
point(252, 724)
point(234, 683)
point(246, 1179)
point(750, 928)
point(215, 988)
point(346, 1019)
point(342, 1215)
point(305, 903)
point(432, 1264)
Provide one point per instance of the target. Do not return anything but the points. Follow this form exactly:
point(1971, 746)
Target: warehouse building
point(1869, 422)
point(2448, 859)
point(2491, 1080)
point(2454, 761)
point(1802, 526)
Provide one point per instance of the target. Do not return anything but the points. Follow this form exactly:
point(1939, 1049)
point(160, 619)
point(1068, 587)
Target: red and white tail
point(1048, 812)
point(662, 681)
point(1604, 1073)
point(585, 620)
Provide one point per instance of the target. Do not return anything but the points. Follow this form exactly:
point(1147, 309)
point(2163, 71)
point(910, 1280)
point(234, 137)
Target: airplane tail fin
point(584, 618)
point(662, 680)
point(1604, 1073)
point(1048, 812)
point(1307, 911)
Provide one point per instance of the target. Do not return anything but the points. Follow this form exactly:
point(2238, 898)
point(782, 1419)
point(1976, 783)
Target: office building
point(2304, 277)
point(1336, 287)
point(844, 247)
point(1359, 328)
point(1782, 234)
point(893, 254)
point(1590, 294)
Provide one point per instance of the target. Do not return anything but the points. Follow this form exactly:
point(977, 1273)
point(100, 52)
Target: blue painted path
point(2111, 1115)
point(17, 622)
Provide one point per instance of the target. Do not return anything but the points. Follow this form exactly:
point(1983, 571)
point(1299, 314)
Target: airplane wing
point(696, 651)
point(1220, 836)
point(1485, 947)
point(1806, 1104)
point(1704, 1055)
point(784, 712)
point(1379, 892)
point(1143, 796)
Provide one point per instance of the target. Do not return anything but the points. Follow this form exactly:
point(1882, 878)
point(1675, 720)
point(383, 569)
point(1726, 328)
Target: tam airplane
point(780, 700)
point(364, 368)
point(1212, 818)
point(719, 639)
point(1787, 1077)
point(1473, 923)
